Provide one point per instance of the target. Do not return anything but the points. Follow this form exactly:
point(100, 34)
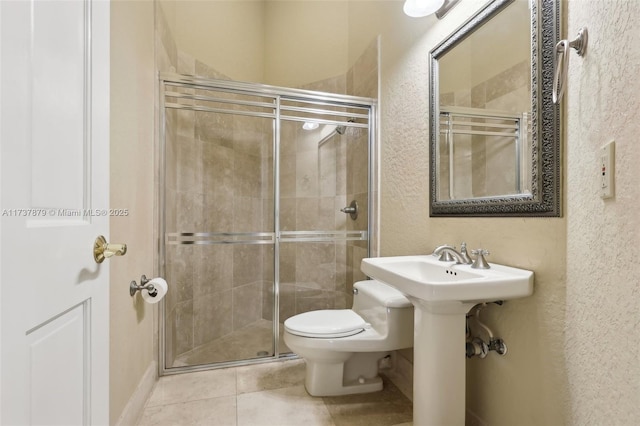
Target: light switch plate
point(607, 171)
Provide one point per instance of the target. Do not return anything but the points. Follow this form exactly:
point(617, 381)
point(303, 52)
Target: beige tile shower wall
point(529, 385)
point(132, 187)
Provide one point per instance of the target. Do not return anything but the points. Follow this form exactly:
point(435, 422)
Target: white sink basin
point(442, 293)
point(428, 279)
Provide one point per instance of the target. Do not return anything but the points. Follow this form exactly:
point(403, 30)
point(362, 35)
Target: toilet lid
point(326, 323)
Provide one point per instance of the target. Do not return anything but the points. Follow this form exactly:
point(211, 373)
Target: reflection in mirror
point(485, 117)
point(484, 92)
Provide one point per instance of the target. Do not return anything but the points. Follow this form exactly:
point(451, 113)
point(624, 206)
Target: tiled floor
point(266, 394)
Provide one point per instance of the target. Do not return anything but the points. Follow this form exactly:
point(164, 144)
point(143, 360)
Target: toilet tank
point(386, 309)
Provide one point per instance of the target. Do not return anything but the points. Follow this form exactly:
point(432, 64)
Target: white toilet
point(342, 347)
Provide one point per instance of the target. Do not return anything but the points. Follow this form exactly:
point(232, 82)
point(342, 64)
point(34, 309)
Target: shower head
point(342, 129)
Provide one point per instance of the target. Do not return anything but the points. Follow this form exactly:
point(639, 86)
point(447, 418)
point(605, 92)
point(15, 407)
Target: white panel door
point(54, 200)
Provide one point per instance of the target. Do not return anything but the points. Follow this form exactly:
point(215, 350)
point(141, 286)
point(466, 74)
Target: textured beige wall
point(603, 239)
point(529, 385)
point(132, 167)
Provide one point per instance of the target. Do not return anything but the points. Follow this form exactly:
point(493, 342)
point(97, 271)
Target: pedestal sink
point(442, 293)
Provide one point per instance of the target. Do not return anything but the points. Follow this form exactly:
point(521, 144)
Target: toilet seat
point(326, 324)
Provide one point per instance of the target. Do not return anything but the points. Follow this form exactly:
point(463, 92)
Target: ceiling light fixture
point(310, 125)
point(420, 8)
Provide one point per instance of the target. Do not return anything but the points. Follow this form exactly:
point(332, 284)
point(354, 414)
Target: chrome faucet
point(465, 254)
point(446, 252)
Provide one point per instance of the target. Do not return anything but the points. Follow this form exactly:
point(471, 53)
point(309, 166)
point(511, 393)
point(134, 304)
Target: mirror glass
point(494, 132)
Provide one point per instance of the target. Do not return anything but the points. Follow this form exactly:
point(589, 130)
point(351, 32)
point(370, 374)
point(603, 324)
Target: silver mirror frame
point(545, 199)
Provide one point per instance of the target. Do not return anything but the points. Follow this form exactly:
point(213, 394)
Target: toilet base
point(355, 387)
point(356, 374)
point(320, 387)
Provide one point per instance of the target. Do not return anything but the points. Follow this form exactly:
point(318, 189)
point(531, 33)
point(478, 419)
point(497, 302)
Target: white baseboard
point(134, 408)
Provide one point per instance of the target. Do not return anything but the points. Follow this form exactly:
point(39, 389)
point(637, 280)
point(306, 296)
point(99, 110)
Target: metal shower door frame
point(278, 94)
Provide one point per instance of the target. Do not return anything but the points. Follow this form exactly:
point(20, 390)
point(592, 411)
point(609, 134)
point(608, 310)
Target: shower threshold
point(252, 341)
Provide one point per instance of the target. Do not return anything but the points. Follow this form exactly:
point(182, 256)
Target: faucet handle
point(480, 262)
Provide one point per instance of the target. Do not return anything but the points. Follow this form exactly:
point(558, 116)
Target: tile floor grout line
point(189, 400)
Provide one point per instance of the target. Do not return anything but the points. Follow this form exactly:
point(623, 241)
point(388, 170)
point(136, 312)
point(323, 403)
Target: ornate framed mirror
point(494, 131)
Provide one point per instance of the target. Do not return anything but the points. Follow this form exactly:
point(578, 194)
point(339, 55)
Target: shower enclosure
point(253, 181)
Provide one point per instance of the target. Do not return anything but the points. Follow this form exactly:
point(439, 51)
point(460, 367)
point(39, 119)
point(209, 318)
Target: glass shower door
point(219, 227)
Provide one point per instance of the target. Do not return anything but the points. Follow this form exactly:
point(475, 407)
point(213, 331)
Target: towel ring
point(579, 44)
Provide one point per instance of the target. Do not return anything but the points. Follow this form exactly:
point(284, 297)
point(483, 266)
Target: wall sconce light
point(420, 8)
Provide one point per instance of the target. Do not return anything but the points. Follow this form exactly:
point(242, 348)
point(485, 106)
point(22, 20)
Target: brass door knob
point(103, 250)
